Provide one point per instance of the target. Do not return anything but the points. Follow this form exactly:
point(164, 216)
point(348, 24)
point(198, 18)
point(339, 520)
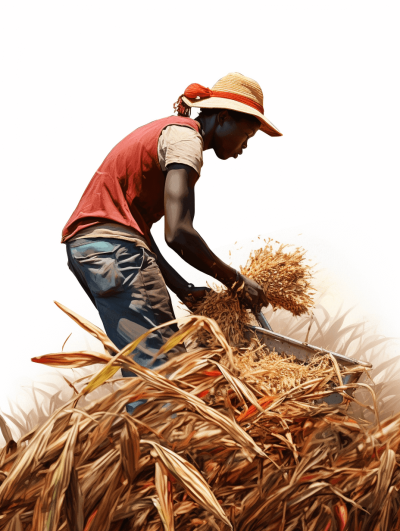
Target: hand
point(252, 293)
point(193, 295)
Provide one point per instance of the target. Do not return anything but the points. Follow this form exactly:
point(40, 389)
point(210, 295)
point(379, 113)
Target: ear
point(222, 117)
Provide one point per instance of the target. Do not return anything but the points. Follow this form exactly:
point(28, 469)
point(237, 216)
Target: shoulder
point(181, 133)
point(181, 145)
point(184, 121)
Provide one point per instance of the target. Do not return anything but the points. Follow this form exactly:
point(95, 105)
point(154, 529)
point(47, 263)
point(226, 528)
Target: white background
point(79, 76)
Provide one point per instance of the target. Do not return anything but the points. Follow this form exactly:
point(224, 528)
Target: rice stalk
point(284, 276)
point(286, 280)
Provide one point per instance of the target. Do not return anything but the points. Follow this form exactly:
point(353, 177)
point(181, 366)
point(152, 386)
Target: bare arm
point(185, 291)
point(182, 237)
point(180, 234)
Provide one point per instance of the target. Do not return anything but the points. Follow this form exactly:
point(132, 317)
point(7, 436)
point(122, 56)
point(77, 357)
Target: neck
point(207, 128)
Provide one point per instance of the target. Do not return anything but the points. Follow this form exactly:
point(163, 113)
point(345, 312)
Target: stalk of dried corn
point(218, 462)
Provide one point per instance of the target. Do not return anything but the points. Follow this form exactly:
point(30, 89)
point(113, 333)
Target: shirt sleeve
point(181, 144)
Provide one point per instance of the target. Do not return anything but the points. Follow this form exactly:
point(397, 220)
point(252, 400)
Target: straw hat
point(235, 92)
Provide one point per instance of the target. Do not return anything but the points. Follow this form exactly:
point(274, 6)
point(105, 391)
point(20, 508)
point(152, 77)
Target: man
point(149, 174)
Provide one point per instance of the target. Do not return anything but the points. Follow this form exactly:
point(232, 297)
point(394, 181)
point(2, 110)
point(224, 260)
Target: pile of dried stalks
point(219, 456)
point(285, 278)
point(272, 373)
point(225, 308)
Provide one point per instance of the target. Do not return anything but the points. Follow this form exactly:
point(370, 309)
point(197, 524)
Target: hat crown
point(242, 85)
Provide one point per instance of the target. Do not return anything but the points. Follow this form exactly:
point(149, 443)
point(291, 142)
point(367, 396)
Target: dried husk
point(294, 465)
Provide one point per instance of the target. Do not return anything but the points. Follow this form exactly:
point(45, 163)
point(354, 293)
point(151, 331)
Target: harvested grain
point(285, 278)
point(273, 373)
point(293, 465)
point(226, 309)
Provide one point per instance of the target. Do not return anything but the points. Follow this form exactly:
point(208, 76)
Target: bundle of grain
point(219, 456)
point(285, 278)
point(225, 307)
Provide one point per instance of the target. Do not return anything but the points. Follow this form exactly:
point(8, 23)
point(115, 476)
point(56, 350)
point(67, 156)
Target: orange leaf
point(341, 513)
point(212, 373)
point(91, 518)
point(310, 477)
point(216, 450)
point(264, 402)
point(334, 481)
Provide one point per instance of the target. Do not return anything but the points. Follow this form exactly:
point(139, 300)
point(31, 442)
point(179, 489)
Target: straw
point(296, 464)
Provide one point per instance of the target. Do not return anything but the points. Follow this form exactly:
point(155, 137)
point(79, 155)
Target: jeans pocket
point(98, 264)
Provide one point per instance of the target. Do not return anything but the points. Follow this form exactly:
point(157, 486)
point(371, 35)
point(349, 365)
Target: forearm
point(180, 234)
point(172, 278)
point(190, 246)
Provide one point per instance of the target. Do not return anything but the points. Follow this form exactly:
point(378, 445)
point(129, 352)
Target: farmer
point(152, 173)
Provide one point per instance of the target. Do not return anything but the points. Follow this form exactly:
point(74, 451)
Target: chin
point(222, 156)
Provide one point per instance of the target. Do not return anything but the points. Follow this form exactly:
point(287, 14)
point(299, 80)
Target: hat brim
point(224, 103)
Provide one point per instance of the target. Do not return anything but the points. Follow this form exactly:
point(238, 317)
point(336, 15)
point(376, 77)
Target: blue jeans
point(125, 284)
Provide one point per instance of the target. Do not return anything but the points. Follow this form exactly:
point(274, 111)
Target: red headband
point(195, 91)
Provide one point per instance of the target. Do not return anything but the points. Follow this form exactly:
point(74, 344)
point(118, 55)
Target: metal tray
point(304, 352)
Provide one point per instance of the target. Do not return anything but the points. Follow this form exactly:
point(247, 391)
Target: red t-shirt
point(128, 188)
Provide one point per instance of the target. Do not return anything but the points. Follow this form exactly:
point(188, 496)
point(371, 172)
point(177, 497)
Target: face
point(231, 136)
